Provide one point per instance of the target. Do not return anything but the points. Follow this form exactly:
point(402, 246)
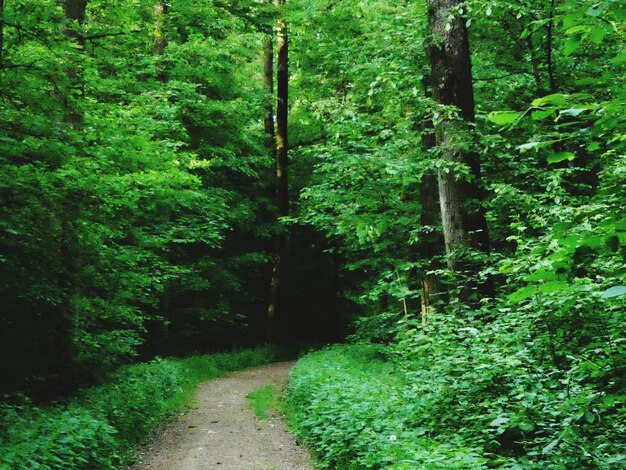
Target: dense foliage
point(101, 426)
point(534, 377)
point(139, 211)
point(114, 230)
point(430, 403)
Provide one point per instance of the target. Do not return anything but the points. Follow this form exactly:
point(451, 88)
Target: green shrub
point(57, 437)
point(351, 405)
point(100, 427)
point(457, 397)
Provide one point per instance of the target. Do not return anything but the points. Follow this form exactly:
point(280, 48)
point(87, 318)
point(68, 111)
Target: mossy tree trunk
point(462, 215)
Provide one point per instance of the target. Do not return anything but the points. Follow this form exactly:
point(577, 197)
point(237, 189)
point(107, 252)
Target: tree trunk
point(430, 241)
point(282, 189)
point(430, 245)
point(462, 216)
point(268, 77)
point(160, 10)
point(282, 81)
point(535, 64)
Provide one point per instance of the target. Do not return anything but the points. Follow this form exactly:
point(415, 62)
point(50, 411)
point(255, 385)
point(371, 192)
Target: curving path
point(221, 432)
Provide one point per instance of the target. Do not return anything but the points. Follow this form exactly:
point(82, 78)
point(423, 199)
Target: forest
point(426, 195)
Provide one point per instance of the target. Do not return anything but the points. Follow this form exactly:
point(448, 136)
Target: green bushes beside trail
point(352, 406)
point(101, 426)
point(476, 403)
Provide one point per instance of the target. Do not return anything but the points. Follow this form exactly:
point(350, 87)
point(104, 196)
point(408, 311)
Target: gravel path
point(221, 432)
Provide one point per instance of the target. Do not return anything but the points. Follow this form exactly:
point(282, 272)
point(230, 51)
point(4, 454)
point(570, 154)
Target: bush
point(455, 398)
point(100, 427)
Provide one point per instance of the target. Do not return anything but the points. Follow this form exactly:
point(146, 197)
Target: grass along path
point(221, 431)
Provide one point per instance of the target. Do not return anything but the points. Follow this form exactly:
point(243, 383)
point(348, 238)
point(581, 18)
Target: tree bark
point(429, 244)
point(282, 188)
point(282, 142)
point(429, 217)
point(268, 78)
point(463, 220)
point(160, 10)
point(535, 64)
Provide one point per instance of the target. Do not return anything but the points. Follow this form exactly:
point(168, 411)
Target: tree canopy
point(457, 175)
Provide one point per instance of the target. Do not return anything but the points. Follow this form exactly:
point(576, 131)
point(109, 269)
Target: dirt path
point(221, 431)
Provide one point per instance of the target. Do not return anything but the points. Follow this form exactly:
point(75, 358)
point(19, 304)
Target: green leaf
point(503, 117)
point(555, 99)
point(534, 145)
point(613, 292)
point(547, 449)
point(575, 112)
point(619, 58)
point(554, 286)
point(542, 114)
point(594, 11)
point(557, 157)
point(541, 275)
point(597, 35)
point(499, 421)
point(526, 426)
point(571, 45)
point(578, 29)
point(522, 294)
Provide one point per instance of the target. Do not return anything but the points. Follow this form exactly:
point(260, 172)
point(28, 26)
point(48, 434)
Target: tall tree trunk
point(160, 10)
point(282, 88)
point(71, 208)
point(535, 64)
point(162, 342)
point(282, 189)
point(268, 78)
point(429, 217)
point(429, 244)
point(463, 220)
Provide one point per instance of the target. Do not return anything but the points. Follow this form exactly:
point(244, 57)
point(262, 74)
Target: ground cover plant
point(102, 426)
point(264, 401)
point(472, 401)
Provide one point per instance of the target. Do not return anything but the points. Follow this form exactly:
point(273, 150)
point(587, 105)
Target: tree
point(463, 219)
point(282, 162)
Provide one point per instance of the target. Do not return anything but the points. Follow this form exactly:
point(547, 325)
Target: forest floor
point(220, 430)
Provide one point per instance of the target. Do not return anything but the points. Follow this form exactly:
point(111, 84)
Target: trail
point(222, 432)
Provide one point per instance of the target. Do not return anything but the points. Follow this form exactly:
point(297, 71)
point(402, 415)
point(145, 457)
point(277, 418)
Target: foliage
point(533, 378)
point(467, 398)
point(101, 426)
point(123, 170)
point(264, 400)
point(136, 217)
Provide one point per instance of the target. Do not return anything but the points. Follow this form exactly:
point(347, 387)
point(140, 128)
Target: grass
point(264, 401)
point(100, 427)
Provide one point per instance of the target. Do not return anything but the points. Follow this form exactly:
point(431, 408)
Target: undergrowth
point(100, 427)
point(264, 401)
point(456, 398)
